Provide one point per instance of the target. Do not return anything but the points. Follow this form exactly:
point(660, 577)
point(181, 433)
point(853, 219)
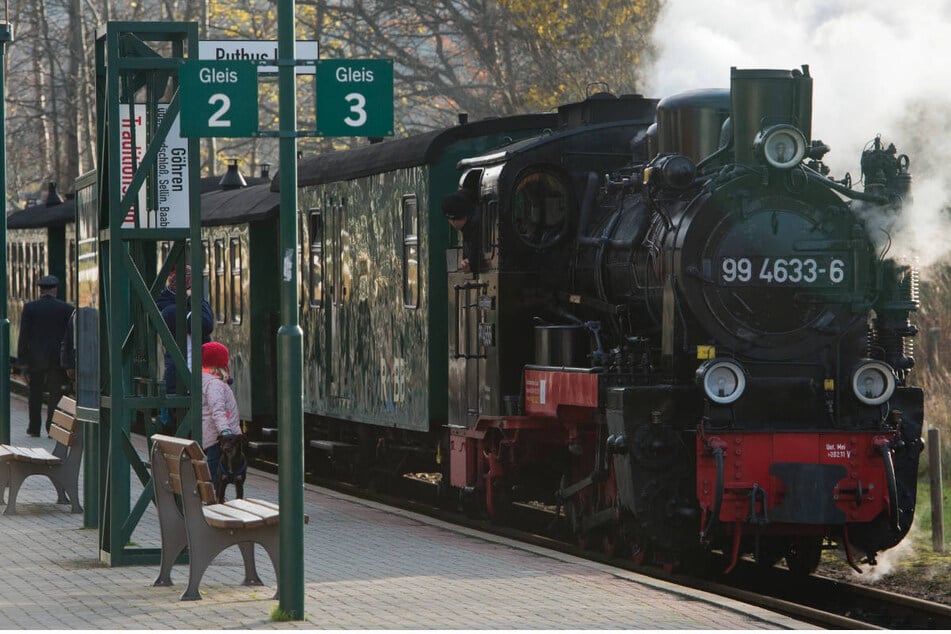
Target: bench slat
point(175, 482)
point(271, 505)
point(168, 444)
point(64, 420)
point(202, 471)
point(219, 520)
point(267, 512)
point(61, 435)
point(171, 459)
point(207, 492)
point(68, 405)
point(34, 454)
point(247, 519)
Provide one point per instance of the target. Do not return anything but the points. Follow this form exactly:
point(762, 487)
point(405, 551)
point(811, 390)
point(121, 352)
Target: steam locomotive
point(706, 348)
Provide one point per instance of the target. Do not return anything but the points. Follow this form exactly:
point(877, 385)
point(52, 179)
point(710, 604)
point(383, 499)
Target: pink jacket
point(219, 410)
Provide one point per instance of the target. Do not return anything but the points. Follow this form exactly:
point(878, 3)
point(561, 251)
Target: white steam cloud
point(878, 67)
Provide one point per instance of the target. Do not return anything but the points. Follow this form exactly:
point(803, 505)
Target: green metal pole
point(6, 36)
point(290, 350)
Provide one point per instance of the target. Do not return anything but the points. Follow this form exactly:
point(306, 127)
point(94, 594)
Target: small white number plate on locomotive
point(758, 270)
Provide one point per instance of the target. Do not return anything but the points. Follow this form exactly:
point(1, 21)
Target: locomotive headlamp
point(873, 382)
point(783, 146)
point(723, 381)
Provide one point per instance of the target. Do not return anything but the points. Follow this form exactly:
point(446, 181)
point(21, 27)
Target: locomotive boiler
point(715, 348)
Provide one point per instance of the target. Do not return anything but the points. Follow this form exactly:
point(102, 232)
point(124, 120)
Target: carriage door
point(468, 356)
point(340, 277)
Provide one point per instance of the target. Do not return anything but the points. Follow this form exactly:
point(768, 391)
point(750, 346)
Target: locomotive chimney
point(761, 98)
point(232, 178)
point(52, 196)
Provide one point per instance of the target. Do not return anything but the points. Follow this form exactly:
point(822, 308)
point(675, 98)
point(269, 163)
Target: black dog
point(233, 467)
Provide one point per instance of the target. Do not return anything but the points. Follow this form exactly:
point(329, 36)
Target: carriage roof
point(411, 151)
point(41, 215)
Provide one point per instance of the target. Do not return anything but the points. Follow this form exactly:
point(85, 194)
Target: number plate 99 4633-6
point(820, 270)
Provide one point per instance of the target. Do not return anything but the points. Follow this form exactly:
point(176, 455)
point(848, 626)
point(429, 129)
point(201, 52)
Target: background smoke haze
point(878, 67)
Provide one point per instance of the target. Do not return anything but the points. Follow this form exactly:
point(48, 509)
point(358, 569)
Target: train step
point(269, 433)
point(262, 447)
point(333, 446)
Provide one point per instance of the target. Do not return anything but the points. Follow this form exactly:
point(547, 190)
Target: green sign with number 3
point(219, 98)
point(355, 97)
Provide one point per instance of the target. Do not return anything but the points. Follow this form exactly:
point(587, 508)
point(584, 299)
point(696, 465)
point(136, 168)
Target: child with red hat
point(219, 409)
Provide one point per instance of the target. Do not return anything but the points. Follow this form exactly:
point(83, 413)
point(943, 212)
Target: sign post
point(219, 99)
point(290, 337)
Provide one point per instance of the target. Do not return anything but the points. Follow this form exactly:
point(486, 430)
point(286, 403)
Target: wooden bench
point(61, 466)
point(179, 469)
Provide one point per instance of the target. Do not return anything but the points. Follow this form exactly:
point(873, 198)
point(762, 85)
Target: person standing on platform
point(42, 326)
point(166, 305)
point(219, 409)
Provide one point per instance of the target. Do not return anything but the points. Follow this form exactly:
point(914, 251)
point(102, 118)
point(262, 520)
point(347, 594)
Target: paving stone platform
point(366, 567)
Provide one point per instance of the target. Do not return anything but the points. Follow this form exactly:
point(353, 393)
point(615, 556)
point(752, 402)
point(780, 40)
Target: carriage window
point(344, 257)
point(540, 208)
point(410, 252)
point(490, 227)
point(219, 281)
point(315, 230)
point(235, 286)
point(21, 265)
point(16, 253)
point(41, 265)
point(37, 271)
point(71, 275)
point(206, 270)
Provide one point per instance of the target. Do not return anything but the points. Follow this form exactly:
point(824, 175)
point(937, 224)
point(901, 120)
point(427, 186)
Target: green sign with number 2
point(355, 97)
point(219, 98)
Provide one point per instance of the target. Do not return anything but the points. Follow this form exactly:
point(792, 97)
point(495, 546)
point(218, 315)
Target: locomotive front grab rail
point(884, 446)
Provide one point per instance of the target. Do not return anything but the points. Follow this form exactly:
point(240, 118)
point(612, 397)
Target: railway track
point(821, 601)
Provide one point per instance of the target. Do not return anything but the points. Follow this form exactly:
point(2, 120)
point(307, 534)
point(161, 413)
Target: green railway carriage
point(373, 271)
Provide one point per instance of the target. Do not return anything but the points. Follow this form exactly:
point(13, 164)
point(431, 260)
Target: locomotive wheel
point(770, 553)
point(501, 509)
point(638, 553)
point(803, 555)
point(574, 512)
point(613, 542)
point(471, 504)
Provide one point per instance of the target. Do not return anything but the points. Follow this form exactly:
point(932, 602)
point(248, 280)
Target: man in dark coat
point(166, 305)
point(463, 214)
point(42, 326)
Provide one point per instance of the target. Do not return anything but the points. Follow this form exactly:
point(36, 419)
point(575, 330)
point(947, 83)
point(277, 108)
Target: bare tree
point(484, 57)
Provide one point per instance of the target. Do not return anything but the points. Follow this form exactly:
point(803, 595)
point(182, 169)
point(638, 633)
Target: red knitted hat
point(214, 355)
